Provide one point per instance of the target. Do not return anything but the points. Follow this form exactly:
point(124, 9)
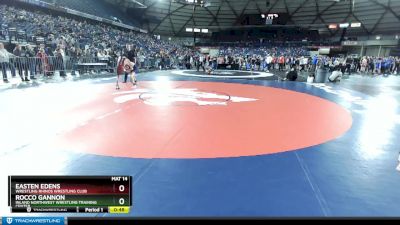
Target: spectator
point(5, 62)
point(311, 78)
point(59, 60)
point(292, 75)
point(31, 61)
point(398, 166)
point(20, 62)
point(336, 75)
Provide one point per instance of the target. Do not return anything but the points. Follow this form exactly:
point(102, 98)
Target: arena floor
point(232, 144)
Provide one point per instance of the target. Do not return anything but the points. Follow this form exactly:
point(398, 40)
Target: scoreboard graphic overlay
point(70, 194)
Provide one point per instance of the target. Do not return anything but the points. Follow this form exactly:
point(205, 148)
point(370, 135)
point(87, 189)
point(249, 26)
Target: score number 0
point(121, 188)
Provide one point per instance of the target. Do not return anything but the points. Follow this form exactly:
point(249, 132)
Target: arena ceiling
point(173, 16)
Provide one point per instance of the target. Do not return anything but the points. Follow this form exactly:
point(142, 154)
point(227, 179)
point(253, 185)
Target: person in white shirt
point(191, 60)
point(268, 60)
point(364, 65)
point(305, 63)
point(336, 75)
point(100, 55)
point(141, 60)
point(301, 61)
point(5, 62)
point(336, 63)
point(398, 167)
point(201, 58)
point(311, 78)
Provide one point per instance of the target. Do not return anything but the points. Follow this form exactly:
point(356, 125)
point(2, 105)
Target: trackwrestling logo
point(34, 220)
point(178, 96)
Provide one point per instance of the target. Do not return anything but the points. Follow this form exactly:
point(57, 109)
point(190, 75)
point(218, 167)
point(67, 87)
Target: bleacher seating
point(395, 51)
point(97, 8)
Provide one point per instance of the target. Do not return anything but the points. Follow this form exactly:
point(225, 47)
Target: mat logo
point(179, 96)
point(9, 220)
point(223, 73)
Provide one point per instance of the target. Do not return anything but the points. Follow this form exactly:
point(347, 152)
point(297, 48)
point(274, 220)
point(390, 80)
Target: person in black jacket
point(292, 75)
point(59, 60)
point(31, 61)
point(21, 62)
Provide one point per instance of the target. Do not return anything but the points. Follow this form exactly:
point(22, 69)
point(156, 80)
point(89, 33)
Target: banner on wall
point(214, 52)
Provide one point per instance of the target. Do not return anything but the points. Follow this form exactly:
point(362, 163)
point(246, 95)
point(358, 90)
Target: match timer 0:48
point(118, 209)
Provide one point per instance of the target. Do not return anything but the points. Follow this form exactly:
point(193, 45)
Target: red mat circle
point(275, 120)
